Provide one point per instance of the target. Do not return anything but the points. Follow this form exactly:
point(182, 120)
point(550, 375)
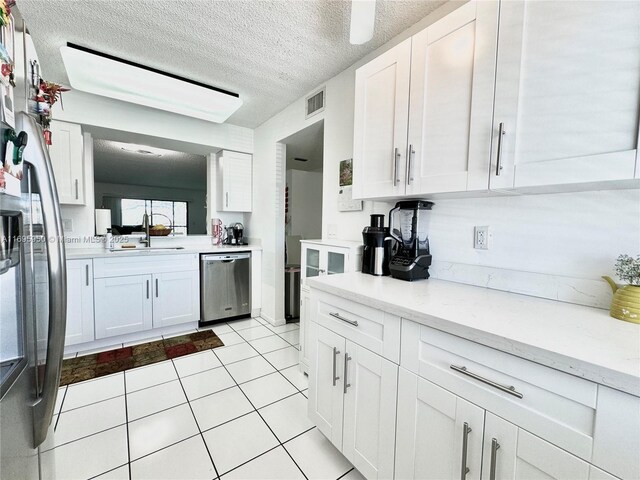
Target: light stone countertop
point(579, 340)
point(84, 253)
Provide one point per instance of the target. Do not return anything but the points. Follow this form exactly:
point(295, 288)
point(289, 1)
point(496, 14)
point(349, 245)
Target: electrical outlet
point(481, 238)
point(67, 225)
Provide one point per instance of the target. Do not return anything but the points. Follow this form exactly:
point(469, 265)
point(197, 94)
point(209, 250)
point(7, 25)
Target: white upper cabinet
point(451, 101)
point(526, 95)
point(567, 93)
point(380, 127)
point(234, 181)
point(66, 158)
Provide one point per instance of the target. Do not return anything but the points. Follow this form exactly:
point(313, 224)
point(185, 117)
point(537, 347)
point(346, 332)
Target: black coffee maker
point(407, 225)
point(377, 247)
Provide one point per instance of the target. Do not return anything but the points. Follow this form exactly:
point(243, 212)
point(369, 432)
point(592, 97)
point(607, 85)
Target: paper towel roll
point(103, 220)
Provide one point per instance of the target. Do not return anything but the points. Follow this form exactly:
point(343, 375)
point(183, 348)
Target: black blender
point(408, 224)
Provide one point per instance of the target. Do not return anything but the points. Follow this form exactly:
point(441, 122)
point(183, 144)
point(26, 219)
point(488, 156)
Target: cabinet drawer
point(373, 329)
point(557, 406)
point(121, 265)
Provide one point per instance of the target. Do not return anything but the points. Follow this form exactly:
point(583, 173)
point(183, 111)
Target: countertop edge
point(589, 371)
point(100, 253)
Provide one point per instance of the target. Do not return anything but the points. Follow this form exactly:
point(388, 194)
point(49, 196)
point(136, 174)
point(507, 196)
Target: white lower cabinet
point(80, 322)
point(326, 402)
point(137, 294)
point(352, 400)
point(305, 348)
point(123, 305)
point(439, 435)
point(140, 302)
point(511, 452)
point(370, 386)
point(173, 298)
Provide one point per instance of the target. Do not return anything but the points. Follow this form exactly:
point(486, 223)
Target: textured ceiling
point(172, 169)
point(271, 52)
point(307, 143)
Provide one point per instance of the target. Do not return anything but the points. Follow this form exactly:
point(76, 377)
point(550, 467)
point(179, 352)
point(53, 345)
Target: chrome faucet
point(146, 223)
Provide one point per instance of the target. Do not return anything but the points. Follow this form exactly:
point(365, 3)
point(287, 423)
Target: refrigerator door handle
point(37, 155)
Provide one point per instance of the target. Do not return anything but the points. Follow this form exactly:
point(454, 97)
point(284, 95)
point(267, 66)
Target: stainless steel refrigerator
point(32, 306)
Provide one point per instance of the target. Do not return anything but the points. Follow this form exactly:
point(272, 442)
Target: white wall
point(197, 211)
point(554, 246)
point(305, 203)
point(97, 111)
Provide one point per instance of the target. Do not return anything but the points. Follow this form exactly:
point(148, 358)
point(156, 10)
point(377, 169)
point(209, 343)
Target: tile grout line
point(294, 386)
point(59, 414)
point(126, 413)
point(265, 422)
point(195, 419)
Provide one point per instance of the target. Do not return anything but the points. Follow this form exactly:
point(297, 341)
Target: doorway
point(304, 157)
point(303, 190)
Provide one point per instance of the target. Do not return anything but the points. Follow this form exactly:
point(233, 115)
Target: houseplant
point(625, 304)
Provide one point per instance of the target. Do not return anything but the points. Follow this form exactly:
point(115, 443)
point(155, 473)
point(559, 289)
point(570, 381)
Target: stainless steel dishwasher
point(225, 286)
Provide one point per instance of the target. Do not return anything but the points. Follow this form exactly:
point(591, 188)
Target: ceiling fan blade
point(363, 15)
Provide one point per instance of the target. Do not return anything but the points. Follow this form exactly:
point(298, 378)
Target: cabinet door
point(452, 82)
point(431, 433)
point(236, 182)
point(371, 386)
point(311, 266)
point(122, 305)
point(380, 124)
point(176, 298)
point(566, 93)
point(325, 383)
point(66, 157)
point(513, 453)
point(305, 348)
point(336, 261)
point(80, 325)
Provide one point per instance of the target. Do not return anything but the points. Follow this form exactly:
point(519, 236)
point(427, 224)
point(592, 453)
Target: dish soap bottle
point(108, 240)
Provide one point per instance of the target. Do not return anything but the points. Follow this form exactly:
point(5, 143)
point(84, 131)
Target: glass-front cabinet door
point(335, 263)
point(312, 258)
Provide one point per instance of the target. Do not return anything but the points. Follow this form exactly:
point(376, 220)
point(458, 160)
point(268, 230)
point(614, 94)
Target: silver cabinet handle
point(87, 273)
point(226, 199)
point(501, 133)
point(340, 317)
point(147, 288)
point(396, 158)
point(156, 288)
point(76, 189)
point(335, 354)
point(510, 389)
point(346, 369)
point(494, 451)
point(466, 430)
point(410, 157)
point(37, 155)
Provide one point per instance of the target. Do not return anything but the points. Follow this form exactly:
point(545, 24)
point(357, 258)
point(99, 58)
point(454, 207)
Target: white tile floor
point(234, 412)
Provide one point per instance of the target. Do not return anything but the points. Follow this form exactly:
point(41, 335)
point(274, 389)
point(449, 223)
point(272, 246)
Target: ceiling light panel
point(96, 74)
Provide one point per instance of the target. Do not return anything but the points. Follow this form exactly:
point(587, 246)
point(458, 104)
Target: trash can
point(292, 291)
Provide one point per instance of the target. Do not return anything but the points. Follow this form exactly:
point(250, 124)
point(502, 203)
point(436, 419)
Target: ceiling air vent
point(315, 102)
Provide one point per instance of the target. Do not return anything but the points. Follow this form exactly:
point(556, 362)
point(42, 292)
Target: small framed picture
point(346, 172)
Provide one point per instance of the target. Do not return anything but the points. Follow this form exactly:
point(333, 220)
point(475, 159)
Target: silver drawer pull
point(466, 430)
point(335, 354)
point(346, 371)
point(494, 452)
point(339, 317)
point(511, 390)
